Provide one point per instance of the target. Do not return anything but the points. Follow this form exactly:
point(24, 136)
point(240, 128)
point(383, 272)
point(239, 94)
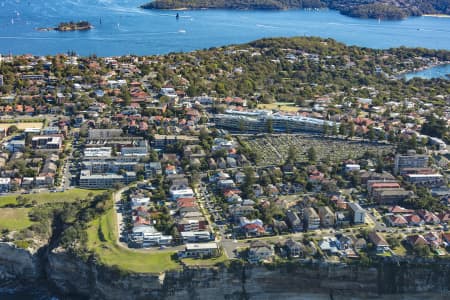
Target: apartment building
point(108, 180)
point(261, 120)
point(411, 160)
point(312, 219)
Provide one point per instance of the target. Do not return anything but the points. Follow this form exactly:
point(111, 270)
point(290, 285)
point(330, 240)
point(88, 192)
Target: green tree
point(249, 181)
point(269, 125)
point(12, 129)
point(312, 155)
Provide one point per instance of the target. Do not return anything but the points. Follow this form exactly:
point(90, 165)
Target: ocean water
point(121, 27)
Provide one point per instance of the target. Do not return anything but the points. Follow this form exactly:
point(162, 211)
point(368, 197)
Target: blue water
point(434, 72)
point(128, 29)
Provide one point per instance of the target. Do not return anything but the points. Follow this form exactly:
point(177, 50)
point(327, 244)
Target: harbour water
point(441, 71)
point(121, 27)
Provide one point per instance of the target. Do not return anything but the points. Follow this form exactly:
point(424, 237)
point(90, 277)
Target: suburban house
point(312, 219)
point(327, 217)
point(379, 242)
point(251, 227)
point(294, 221)
point(396, 220)
point(260, 252)
point(294, 248)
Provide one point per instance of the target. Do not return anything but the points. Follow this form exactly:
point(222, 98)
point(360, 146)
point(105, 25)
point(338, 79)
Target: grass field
point(23, 125)
point(205, 262)
point(14, 218)
point(102, 238)
point(66, 196)
point(287, 107)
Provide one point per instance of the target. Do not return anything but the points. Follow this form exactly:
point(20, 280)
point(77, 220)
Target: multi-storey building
point(88, 180)
point(410, 161)
point(261, 121)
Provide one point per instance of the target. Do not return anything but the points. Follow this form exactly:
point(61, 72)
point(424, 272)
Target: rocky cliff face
point(18, 263)
point(73, 276)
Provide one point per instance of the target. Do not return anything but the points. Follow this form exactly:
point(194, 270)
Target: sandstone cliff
point(72, 276)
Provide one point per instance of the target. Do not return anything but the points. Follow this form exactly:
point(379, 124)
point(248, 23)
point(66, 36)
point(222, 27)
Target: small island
point(72, 26)
point(69, 26)
point(366, 9)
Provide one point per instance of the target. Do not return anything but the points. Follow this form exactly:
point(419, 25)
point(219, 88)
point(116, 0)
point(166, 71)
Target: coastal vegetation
point(378, 9)
point(47, 197)
point(234, 4)
point(33, 218)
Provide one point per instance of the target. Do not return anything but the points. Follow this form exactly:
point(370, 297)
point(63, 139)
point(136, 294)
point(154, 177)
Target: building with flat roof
point(147, 236)
point(104, 134)
point(101, 152)
point(200, 250)
point(5, 184)
point(180, 191)
point(196, 236)
point(390, 196)
point(108, 180)
point(134, 151)
point(161, 141)
point(47, 142)
point(358, 213)
point(261, 120)
point(428, 180)
point(410, 161)
point(15, 145)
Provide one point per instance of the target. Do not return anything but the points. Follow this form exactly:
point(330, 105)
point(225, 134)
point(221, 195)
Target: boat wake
point(267, 26)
